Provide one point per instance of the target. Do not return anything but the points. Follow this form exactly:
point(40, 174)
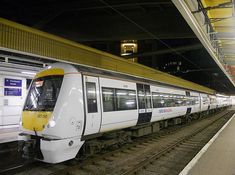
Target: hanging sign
point(13, 82)
point(12, 92)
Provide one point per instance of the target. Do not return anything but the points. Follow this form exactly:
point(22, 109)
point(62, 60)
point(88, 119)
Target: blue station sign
point(13, 82)
point(12, 92)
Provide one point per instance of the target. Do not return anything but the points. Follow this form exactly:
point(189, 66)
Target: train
point(68, 104)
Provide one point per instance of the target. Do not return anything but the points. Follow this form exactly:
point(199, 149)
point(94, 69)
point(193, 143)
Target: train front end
point(53, 118)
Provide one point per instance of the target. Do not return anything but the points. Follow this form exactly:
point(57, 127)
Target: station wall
point(12, 96)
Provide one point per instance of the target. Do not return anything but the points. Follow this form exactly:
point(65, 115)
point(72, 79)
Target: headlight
point(51, 124)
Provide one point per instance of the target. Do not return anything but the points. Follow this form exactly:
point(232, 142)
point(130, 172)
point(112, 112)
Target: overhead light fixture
point(125, 54)
point(29, 73)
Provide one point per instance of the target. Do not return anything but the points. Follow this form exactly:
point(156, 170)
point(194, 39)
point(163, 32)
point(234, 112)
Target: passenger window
point(161, 100)
point(141, 96)
point(126, 99)
point(157, 101)
point(166, 99)
point(180, 100)
point(171, 101)
point(204, 100)
point(188, 100)
point(91, 97)
point(147, 96)
point(108, 99)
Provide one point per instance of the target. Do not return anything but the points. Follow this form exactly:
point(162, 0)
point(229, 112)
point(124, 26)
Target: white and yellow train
point(66, 103)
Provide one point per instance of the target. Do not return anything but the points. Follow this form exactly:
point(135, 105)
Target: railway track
point(10, 158)
point(171, 146)
point(175, 147)
point(174, 158)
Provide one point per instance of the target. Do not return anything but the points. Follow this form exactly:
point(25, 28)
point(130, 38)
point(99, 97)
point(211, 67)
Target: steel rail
point(149, 160)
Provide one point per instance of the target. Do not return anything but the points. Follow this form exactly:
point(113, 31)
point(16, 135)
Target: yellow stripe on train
point(35, 120)
point(48, 72)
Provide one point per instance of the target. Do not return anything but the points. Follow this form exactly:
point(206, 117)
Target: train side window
point(194, 100)
point(147, 96)
point(165, 99)
point(170, 101)
point(157, 101)
point(197, 100)
point(184, 100)
point(126, 99)
point(178, 100)
point(108, 99)
point(132, 97)
point(91, 97)
point(188, 100)
point(141, 96)
point(204, 100)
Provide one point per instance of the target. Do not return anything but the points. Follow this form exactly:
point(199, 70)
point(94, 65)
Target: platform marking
point(194, 161)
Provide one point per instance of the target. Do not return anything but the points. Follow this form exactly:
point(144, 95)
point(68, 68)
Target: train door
point(200, 102)
point(144, 103)
point(209, 103)
point(92, 105)
point(188, 98)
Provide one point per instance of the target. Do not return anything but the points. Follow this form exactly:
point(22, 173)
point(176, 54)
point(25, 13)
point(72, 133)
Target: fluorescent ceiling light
point(125, 54)
point(29, 73)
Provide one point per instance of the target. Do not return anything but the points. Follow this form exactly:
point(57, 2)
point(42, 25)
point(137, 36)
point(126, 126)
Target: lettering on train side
point(165, 110)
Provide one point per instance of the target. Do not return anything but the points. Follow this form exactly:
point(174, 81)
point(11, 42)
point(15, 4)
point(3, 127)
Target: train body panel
point(223, 100)
point(205, 102)
point(195, 106)
point(124, 113)
point(92, 104)
point(64, 116)
point(65, 104)
point(65, 122)
point(162, 103)
point(213, 102)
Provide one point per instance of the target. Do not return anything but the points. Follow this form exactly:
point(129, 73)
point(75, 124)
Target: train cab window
point(91, 97)
point(108, 99)
point(126, 99)
point(43, 93)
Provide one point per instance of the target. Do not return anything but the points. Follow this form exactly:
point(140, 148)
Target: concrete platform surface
point(218, 156)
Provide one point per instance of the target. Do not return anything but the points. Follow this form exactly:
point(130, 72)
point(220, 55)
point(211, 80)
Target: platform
point(9, 134)
point(217, 156)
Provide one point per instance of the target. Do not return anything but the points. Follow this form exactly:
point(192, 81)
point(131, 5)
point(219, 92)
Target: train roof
point(29, 41)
